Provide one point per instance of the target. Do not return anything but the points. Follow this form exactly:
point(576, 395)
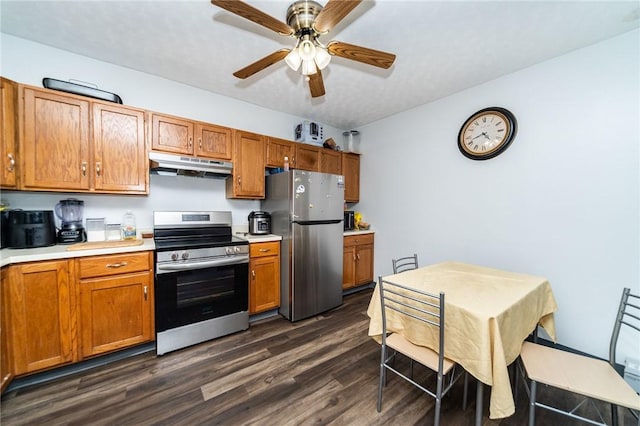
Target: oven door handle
point(201, 265)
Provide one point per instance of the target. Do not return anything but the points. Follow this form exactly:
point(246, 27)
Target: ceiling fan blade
point(249, 12)
point(261, 64)
point(316, 85)
point(333, 12)
point(365, 55)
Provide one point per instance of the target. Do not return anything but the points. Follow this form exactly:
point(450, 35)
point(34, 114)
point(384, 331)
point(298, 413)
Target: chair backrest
point(413, 304)
point(628, 315)
point(402, 264)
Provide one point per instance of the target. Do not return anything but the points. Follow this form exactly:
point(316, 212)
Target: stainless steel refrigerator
point(307, 211)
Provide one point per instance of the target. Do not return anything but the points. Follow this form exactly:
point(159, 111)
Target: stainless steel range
point(201, 278)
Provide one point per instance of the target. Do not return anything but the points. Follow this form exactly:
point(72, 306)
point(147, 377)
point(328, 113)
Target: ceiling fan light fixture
point(307, 50)
point(308, 67)
point(293, 59)
point(322, 57)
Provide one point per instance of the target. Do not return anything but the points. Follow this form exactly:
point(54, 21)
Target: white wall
point(562, 202)
point(27, 62)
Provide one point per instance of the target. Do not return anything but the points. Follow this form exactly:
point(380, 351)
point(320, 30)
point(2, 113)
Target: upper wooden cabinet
point(330, 161)
point(119, 149)
point(307, 157)
point(351, 172)
point(8, 133)
point(183, 136)
point(249, 153)
point(277, 149)
point(59, 153)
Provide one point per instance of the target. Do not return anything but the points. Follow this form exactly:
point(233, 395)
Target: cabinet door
point(8, 133)
point(330, 161)
point(41, 307)
point(115, 312)
point(213, 142)
point(351, 172)
point(364, 264)
point(349, 267)
point(264, 288)
point(171, 134)
point(55, 151)
point(307, 158)
point(121, 163)
point(6, 364)
point(277, 149)
point(248, 166)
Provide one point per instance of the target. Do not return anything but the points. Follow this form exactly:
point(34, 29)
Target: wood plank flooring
point(319, 371)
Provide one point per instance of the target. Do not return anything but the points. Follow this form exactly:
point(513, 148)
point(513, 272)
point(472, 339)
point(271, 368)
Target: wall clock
point(487, 133)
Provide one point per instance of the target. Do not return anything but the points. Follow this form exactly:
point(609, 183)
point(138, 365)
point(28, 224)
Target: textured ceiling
point(442, 47)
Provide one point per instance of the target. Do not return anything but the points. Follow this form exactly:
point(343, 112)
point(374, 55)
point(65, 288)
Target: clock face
point(487, 133)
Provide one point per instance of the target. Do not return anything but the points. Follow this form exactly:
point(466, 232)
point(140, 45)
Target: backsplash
point(166, 193)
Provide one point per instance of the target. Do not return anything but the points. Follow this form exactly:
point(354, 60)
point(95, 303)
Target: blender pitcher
point(70, 211)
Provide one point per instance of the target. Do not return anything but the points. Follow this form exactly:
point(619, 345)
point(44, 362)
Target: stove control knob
point(237, 249)
point(229, 250)
point(174, 256)
point(185, 255)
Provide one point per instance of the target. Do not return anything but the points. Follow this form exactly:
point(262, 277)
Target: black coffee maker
point(70, 213)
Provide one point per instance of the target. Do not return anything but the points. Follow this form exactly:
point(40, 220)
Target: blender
point(70, 212)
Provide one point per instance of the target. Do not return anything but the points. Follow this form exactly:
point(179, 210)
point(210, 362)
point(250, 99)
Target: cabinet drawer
point(100, 266)
point(356, 240)
point(264, 249)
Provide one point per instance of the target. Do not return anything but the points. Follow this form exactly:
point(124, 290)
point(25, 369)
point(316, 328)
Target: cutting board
point(104, 244)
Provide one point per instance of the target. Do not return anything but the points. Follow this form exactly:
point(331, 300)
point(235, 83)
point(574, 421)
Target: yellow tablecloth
point(488, 314)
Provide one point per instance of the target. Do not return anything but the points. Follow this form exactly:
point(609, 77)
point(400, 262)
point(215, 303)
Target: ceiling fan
point(307, 20)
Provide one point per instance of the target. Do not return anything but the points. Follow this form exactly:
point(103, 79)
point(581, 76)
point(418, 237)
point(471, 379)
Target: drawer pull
point(98, 167)
point(117, 265)
point(264, 250)
point(83, 168)
point(145, 292)
point(253, 274)
point(358, 256)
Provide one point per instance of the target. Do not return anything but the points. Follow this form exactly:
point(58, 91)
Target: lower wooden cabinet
point(41, 316)
point(264, 276)
point(116, 302)
point(357, 260)
point(59, 312)
point(6, 359)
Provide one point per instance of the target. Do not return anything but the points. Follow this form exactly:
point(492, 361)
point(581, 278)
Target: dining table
point(488, 315)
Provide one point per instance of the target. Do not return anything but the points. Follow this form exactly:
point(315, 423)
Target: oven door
point(189, 296)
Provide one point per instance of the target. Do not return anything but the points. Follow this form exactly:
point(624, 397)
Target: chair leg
point(411, 369)
point(614, 415)
point(382, 378)
point(532, 404)
point(465, 391)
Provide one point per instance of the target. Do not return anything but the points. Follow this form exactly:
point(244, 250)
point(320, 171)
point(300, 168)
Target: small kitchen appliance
point(70, 213)
point(30, 228)
point(259, 223)
point(309, 132)
point(349, 220)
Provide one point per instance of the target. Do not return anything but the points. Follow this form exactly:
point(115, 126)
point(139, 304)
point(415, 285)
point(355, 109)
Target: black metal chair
point(592, 378)
point(421, 309)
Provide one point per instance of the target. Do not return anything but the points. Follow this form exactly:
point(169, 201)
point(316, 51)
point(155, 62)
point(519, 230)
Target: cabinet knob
point(84, 168)
point(190, 141)
point(200, 143)
point(98, 168)
point(12, 162)
point(145, 292)
point(358, 256)
point(253, 274)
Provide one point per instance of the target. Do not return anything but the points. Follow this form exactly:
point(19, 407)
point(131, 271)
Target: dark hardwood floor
point(322, 370)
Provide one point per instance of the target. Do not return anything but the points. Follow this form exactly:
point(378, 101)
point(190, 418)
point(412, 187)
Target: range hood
point(181, 165)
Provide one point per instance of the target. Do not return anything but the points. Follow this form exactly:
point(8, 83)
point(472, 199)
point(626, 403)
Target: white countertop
point(59, 251)
point(258, 238)
point(358, 232)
